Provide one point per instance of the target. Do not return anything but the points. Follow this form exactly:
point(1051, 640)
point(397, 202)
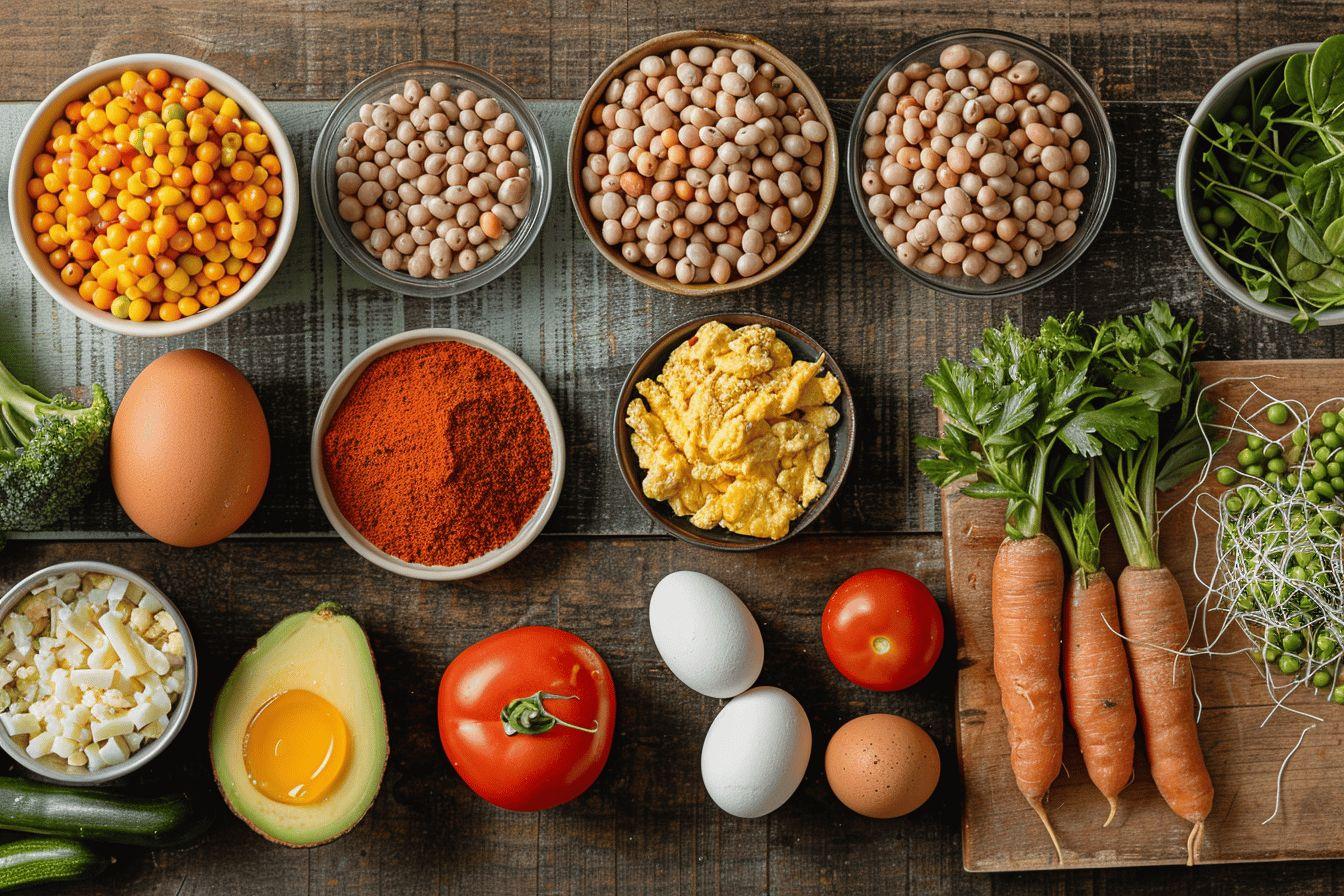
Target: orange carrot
point(1097, 685)
point(1154, 622)
point(1026, 593)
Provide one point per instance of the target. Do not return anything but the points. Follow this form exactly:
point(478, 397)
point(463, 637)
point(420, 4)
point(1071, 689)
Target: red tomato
point(553, 692)
point(882, 629)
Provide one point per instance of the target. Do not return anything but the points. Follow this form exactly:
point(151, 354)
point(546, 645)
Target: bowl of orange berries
point(153, 195)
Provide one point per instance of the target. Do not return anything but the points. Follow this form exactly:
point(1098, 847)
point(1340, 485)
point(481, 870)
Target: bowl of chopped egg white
point(97, 672)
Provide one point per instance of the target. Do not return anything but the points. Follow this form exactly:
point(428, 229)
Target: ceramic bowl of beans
point(703, 162)
point(431, 178)
point(981, 163)
point(195, 282)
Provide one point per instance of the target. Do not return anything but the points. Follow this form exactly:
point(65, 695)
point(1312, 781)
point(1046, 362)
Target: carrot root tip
point(1049, 828)
point(1110, 818)
point(1192, 844)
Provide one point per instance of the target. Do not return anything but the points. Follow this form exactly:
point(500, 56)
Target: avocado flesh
point(326, 652)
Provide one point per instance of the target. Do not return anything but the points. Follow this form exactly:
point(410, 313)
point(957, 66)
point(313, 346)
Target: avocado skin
point(275, 638)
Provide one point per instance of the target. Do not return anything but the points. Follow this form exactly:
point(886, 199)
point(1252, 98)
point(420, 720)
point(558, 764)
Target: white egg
point(705, 634)
point(756, 752)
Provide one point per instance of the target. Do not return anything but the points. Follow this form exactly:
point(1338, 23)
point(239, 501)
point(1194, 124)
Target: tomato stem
point(528, 715)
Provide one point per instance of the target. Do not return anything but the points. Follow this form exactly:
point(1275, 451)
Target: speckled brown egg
point(190, 451)
point(882, 766)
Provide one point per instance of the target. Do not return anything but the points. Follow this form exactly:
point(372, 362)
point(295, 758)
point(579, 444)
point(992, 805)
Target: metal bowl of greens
point(1260, 183)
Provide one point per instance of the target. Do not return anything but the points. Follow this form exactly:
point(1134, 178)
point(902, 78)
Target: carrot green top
point(1150, 358)
point(1015, 416)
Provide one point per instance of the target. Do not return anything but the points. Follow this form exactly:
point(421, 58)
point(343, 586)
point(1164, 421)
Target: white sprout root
point(1250, 589)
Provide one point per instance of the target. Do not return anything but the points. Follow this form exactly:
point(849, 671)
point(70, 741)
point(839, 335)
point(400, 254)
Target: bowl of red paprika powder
point(438, 454)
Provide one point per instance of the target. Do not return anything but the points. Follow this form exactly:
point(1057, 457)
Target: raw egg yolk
point(295, 747)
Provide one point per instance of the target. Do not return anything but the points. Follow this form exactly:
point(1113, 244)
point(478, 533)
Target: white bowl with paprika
point(438, 454)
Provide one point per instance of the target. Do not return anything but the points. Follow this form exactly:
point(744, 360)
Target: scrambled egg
point(735, 431)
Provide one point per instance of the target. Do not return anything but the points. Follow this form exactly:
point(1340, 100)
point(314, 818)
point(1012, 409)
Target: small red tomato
point(882, 629)
point(526, 717)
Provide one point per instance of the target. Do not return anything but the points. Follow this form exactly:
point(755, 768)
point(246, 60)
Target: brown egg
point(190, 450)
point(882, 765)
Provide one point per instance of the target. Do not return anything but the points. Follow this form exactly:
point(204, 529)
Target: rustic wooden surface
point(1000, 832)
point(647, 826)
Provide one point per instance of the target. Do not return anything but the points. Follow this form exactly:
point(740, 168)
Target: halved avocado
point(326, 652)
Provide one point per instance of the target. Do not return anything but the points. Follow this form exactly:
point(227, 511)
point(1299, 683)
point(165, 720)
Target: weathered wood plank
point(647, 827)
point(293, 49)
point(580, 323)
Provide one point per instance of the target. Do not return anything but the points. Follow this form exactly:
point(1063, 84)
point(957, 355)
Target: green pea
point(1329, 419)
point(1277, 414)
point(1334, 468)
point(1272, 450)
point(1292, 480)
point(1273, 478)
point(1299, 435)
point(1273, 636)
point(1226, 475)
point(1339, 428)
point(1256, 471)
point(1248, 456)
point(1289, 664)
point(1277, 465)
point(1292, 642)
point(1324, 489)
point(1321, 454)
point(1224, 217)
point(1321, 679)
point(1337, 695)
point(1203, 214)
point(1317, 471)
point(1209, 230)
point(1254, 442)
point(1234, 504)
point(1331, 439)
point(1337, 483)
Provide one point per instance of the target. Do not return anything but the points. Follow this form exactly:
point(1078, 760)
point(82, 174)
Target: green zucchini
point(45, 860)
point(104, 816)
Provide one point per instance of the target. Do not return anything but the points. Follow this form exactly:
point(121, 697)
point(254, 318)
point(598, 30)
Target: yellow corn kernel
point(100, 96)
point(140, 309)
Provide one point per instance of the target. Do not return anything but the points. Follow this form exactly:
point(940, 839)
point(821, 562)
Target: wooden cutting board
point(1001, 833)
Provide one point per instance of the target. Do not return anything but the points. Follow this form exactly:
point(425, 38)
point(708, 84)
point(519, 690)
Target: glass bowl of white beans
point(989, 201)
point(451, 208)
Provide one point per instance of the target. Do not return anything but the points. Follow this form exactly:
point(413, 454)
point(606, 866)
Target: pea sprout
point(1278, 571)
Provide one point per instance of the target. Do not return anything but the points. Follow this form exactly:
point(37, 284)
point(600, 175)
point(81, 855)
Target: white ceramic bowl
point(53, 768)
point(486, 562)
point(1221, 97)
point(34, 136)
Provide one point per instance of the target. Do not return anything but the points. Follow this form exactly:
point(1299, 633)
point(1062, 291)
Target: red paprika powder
point(438, 454)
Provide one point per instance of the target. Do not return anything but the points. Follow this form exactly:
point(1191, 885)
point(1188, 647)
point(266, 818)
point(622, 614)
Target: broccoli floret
point(51, 452)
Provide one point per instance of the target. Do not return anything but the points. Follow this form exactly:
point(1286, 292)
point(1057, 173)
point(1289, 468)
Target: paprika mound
point(438, 454)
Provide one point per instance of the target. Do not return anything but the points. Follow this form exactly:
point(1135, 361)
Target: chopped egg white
point(90, 669)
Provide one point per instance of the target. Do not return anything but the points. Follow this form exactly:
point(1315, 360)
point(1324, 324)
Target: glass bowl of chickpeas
point(981, 164)
point(431, 178)
point(153, 195)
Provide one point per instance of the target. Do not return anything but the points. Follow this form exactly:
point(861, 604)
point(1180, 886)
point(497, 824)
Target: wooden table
point(647, 827)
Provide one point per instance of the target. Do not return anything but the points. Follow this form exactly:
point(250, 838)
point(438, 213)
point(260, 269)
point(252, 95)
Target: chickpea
point(714, 162)
point(975, 167)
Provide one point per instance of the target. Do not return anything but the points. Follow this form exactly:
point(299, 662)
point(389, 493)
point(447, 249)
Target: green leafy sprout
point(1269, 186)
point(51, 452)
